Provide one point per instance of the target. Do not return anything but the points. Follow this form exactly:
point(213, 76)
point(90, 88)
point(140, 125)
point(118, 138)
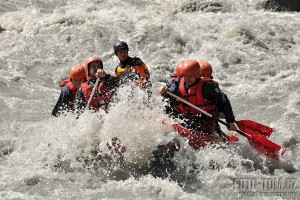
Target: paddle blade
point(251, 127)
point(266, 146)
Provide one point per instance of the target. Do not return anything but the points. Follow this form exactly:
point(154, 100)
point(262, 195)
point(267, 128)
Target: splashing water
point(254, 54)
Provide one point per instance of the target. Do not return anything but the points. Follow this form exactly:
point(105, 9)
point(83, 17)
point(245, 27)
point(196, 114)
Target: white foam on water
point(254, 54)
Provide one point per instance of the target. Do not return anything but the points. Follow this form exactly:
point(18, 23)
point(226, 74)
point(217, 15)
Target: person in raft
point(206, 74)
point(202, 93)
point(69, 87)
point(104, 92)
point(130, 68)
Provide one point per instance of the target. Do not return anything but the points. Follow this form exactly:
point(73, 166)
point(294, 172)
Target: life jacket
point(102, 96)
point(210, 80)
point(67, 82)
point(134, 69)
point(174, 76)
point(194, 96)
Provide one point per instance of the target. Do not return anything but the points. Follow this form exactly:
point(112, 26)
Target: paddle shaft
point(93, 92)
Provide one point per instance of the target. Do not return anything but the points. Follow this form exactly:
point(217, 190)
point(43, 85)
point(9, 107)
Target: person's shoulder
point(210, 80)
point(137, 61)
point(65, 89)
point(208, 84)
point(209, 87)
point(173, 81)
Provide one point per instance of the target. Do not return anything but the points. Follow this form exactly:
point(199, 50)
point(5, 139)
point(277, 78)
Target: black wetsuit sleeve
point(111, 82)
point(64, 100)
point(80, 102)
point(214, 94)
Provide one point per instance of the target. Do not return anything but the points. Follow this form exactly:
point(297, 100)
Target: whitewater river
point(255, 56)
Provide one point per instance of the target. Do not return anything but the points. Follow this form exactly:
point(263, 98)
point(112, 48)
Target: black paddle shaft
point(239, 131)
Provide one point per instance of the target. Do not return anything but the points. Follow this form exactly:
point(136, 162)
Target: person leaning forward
point(201, 93)
point(105, 90)
point(206, 74)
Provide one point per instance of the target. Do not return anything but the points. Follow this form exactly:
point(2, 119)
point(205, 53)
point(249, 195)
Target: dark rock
point(2, 29)
point(283, 5)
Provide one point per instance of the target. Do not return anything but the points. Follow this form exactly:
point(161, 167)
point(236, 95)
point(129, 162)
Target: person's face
point(93, 67)
point(190, 79)
point(77, 83)
point(122, 54)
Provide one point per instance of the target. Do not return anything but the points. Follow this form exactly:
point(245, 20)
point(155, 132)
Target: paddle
point(256, 140)
point(92, 94)
point(248, 126)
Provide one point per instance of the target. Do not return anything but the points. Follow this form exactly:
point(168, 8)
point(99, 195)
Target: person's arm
point(111, 82)
point(80, 102)
point(215, 95)
point(146, 71)
point(172, 86)
point(116, 73)
point(64, 100)
point(143, 71)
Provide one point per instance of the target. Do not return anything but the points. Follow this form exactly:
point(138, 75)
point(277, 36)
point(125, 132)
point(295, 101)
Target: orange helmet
point(92, 59)
point(190, 67)
point(178, 68)
point(205, 69)
point(77, 72)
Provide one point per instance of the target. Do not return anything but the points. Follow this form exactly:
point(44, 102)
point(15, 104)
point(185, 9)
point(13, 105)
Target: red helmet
point(189, 68)
point(77, 72)
point(205, 69)
point(178, 68)
point(92, 59)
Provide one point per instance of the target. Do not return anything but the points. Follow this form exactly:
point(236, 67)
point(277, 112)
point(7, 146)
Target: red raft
point(199, 139)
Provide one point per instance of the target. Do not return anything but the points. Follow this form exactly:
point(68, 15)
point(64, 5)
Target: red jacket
point(194, 95)
point(101, 97)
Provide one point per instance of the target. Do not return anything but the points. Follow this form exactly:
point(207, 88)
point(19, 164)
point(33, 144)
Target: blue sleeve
point(172, 85)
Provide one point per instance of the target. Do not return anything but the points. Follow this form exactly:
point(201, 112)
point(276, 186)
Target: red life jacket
point(174, 75)
point(102, 96)
point(194, 96)
point(210, 80)
point(71, 86)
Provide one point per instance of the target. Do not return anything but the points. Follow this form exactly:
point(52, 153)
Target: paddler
point(202, 93)
point(69, 89)
point(105, 90)
point(205, 69)
point(131, 68)
point(206, 74)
